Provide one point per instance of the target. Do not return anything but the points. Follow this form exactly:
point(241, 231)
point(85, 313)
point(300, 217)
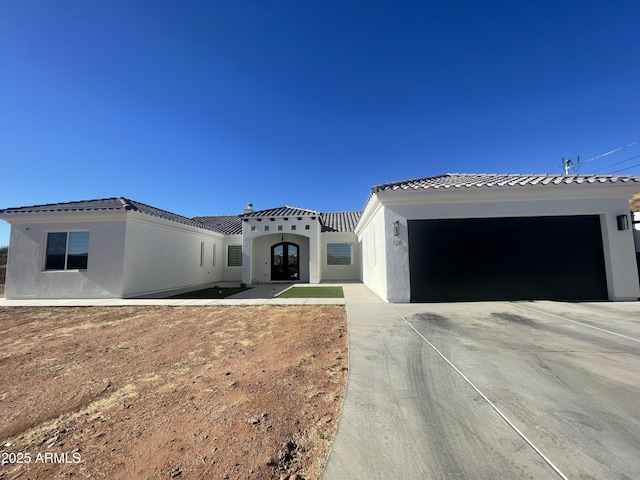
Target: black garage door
point(532, 258)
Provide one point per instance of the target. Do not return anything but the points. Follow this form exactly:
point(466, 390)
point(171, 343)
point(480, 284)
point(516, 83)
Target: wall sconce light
point(623, 222)
point(396, 228)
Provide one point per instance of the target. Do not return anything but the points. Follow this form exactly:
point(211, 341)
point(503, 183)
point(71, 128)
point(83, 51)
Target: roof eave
point(48, 216)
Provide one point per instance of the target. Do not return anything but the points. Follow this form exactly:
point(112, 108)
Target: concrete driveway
point(491, 390)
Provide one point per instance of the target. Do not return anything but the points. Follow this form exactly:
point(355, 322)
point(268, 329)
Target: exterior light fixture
point(273, 293)
point(396, 228)
point(623, 222)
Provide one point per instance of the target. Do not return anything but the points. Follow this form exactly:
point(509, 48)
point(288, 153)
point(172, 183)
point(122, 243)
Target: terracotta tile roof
point(471, 180)
point(285, 211)
point(225, 224)
point(113, 203)
point(339, 221)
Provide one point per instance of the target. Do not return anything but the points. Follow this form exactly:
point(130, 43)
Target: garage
point(515, 258)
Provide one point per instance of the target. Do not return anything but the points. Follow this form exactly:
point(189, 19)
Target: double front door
point(285, 261)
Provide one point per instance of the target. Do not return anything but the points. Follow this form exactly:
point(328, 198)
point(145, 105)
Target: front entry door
point(285, 264)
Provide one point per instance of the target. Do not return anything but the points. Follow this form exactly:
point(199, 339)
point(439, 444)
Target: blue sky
point(200, 107)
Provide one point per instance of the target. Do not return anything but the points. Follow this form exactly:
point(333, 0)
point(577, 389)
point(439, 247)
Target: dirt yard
point(170, 392)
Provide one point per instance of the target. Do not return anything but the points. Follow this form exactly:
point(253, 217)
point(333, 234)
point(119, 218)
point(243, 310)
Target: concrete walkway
point(262, 294)
point(356, 443)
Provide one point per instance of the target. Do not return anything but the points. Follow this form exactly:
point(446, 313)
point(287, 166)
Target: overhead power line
point(608, 153)
point(627, 168)
point(617, 163)
point(568, 164)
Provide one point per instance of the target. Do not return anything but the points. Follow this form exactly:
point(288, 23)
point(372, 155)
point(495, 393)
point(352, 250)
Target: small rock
point(253, 421)
point(176, 473)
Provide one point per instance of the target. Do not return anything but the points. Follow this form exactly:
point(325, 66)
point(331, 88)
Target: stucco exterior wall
point(340, 272)
point(372, 244)
point(231, 274)
point(262, 256)
point(396, 247)
point(622, 274)
point(27, 278)
point(162, 256)
point(257, 244)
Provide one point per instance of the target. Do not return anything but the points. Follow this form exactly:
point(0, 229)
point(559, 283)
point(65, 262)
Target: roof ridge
point(67, 205)
point(68, 202)
point(292, 206)
point(129, 204)
point(274, 211)
point(151, 210)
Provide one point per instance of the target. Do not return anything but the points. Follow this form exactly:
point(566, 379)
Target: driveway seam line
point(491, 404)
point(575, 321)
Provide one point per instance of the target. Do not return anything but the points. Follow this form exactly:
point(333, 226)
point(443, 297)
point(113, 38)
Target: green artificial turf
point(210, 293)
point(312, 292)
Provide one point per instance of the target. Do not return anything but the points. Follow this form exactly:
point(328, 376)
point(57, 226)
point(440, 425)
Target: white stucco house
point(452, 237)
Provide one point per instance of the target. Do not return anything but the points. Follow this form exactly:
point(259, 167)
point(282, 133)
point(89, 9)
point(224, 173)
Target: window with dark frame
point(234, 256)
point(67, 251)
point(338, 254)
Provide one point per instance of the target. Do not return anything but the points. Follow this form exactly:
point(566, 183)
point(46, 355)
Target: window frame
point(342, 245)
point(229, 247)
point(67, 255)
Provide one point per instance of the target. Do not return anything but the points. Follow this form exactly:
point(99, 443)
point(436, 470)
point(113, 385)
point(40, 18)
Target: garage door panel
point(556, 258)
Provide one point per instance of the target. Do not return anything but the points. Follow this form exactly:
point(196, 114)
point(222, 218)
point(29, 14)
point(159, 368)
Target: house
point(120, 248)
point(452, 237)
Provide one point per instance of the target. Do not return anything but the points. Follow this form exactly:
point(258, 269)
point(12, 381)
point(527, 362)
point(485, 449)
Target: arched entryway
point(285, 261)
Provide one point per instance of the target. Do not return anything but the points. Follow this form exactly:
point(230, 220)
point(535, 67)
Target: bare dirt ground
point(170, 392)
